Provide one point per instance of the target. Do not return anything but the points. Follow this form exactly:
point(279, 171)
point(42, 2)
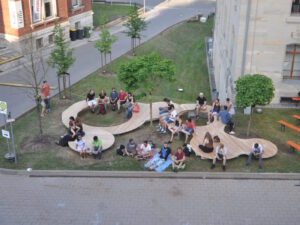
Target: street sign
point(3, 108)
point(5, 134)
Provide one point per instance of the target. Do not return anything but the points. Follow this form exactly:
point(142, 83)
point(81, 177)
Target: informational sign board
point(3, 108)
point(36, 11)
point(16, 14)
point(5, 134)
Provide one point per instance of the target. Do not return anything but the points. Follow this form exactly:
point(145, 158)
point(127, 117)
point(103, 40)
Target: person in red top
point(45, 89)
point(122, 99)
point(178, 160)
point(188, 129)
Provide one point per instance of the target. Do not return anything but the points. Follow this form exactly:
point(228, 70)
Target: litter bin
point(73, 34)
point(79, 34)
point(86, 31)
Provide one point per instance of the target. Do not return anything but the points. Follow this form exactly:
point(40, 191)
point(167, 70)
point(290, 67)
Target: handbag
point(136, 108)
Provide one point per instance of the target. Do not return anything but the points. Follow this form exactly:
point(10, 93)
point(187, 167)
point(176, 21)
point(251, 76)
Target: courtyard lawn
point(188, 54)
point(109, 12)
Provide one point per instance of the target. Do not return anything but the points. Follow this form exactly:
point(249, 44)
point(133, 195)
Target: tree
point(61, 56)
point(103, 45)
point(253, 90)
point(135, 25)
point(36, 70)
point(145, 73)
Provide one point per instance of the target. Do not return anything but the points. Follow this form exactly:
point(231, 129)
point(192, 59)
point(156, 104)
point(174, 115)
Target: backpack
point(187, 150)
point(64, 141)
point(119, 150)
point(136, 108)
point(102, 109)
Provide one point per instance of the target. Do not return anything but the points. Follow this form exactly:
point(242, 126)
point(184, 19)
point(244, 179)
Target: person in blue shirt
point(165, 151)
point(113, 97)
point(226, 119)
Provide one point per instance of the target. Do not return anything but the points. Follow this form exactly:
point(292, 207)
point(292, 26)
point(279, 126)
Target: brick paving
point(120, 201)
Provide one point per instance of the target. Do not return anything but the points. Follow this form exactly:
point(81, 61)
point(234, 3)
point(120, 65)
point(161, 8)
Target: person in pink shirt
point(122, 99)
point(45, 90)
point(188, 129)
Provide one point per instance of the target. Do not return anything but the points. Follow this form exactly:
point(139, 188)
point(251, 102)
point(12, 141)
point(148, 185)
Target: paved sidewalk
point(106, 201)
point(159, 19)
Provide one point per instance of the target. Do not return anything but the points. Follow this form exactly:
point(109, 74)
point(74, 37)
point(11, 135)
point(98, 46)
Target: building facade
point(19, 19)
point(257, 36)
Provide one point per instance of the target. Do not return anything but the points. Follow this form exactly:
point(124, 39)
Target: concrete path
point(160, 18)
point(136, 201)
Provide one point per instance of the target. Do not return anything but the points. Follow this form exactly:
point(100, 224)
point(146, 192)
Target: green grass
point(188, 54)
point(109, 12)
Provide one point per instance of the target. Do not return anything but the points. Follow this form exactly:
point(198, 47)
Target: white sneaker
point(231, 132)
point(207, 122)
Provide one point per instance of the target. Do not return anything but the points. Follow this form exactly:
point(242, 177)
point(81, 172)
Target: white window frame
point(53, 11)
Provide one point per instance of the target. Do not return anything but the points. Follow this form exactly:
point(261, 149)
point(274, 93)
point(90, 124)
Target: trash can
point(73, 34)
point(79, 33)
point(86, 31)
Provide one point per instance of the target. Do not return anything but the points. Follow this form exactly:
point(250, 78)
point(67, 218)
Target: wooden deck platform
point(235, 146)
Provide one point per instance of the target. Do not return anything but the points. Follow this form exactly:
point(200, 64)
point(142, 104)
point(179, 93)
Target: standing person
point(80, 146)
point(226, 119)
point(96, 147)
point(200, 103)
point(188, 129)
point(216, 107)
point(45, 89)
point(113, 97)
point(122, 99)
point(178, 160)
point(230, 107)
point(257, 151)
point(208, 145)
point(221, 152)
point(90, 100)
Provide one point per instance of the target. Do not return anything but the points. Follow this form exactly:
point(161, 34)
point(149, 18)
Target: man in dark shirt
point(200, 103)
point(90, 99)
point(113, 98)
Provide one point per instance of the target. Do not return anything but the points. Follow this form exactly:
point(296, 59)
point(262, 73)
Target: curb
point(152, 175)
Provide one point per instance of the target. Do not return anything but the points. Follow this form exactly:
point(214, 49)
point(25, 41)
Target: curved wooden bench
point(107, 138)
point(235, 146)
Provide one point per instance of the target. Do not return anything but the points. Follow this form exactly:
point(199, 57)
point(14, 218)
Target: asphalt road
point(143, 201)
point(88, 59)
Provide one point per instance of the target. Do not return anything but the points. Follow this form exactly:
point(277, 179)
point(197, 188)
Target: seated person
point(80, 146)
point(221, 152)
point(103, 99)
point(230, 107)
point(90, 99)
point(200, 103)
point(216, 107)
point(163, 154)
point(175, 128)
point(226, 119)
point(122, 99)
point(178, 160)
point(79, 127)
point(130, 148)
point(144, 150)
point(169, 119)
point(208, 144)
point(96, 147)
point(113, 98)
point(188, 129)
point(163, 111)
point(70, 135)
point(257, 151)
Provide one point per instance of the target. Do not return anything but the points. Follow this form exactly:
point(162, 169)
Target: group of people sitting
point(146, 150)
point(115, 100)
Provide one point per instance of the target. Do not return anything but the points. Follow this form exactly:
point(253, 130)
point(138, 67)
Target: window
point(296, 7)
point(42, 10)
point(47, 9)
point(39, 43)
point(50, 39)
point(76, 3)
point(291, 65)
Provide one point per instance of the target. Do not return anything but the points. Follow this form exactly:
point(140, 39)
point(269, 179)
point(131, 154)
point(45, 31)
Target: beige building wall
point(271, 28)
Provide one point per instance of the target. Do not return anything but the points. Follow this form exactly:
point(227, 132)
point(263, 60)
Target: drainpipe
point(246, 37)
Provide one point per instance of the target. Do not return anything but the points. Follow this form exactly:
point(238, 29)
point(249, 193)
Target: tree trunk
point(104, 61)
point(249, 122)
point(37, 102)
point(132, 46)
point(58, 82)
point(64, 86)
point(110, 62)
point(150, 101)
point(101, 56)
